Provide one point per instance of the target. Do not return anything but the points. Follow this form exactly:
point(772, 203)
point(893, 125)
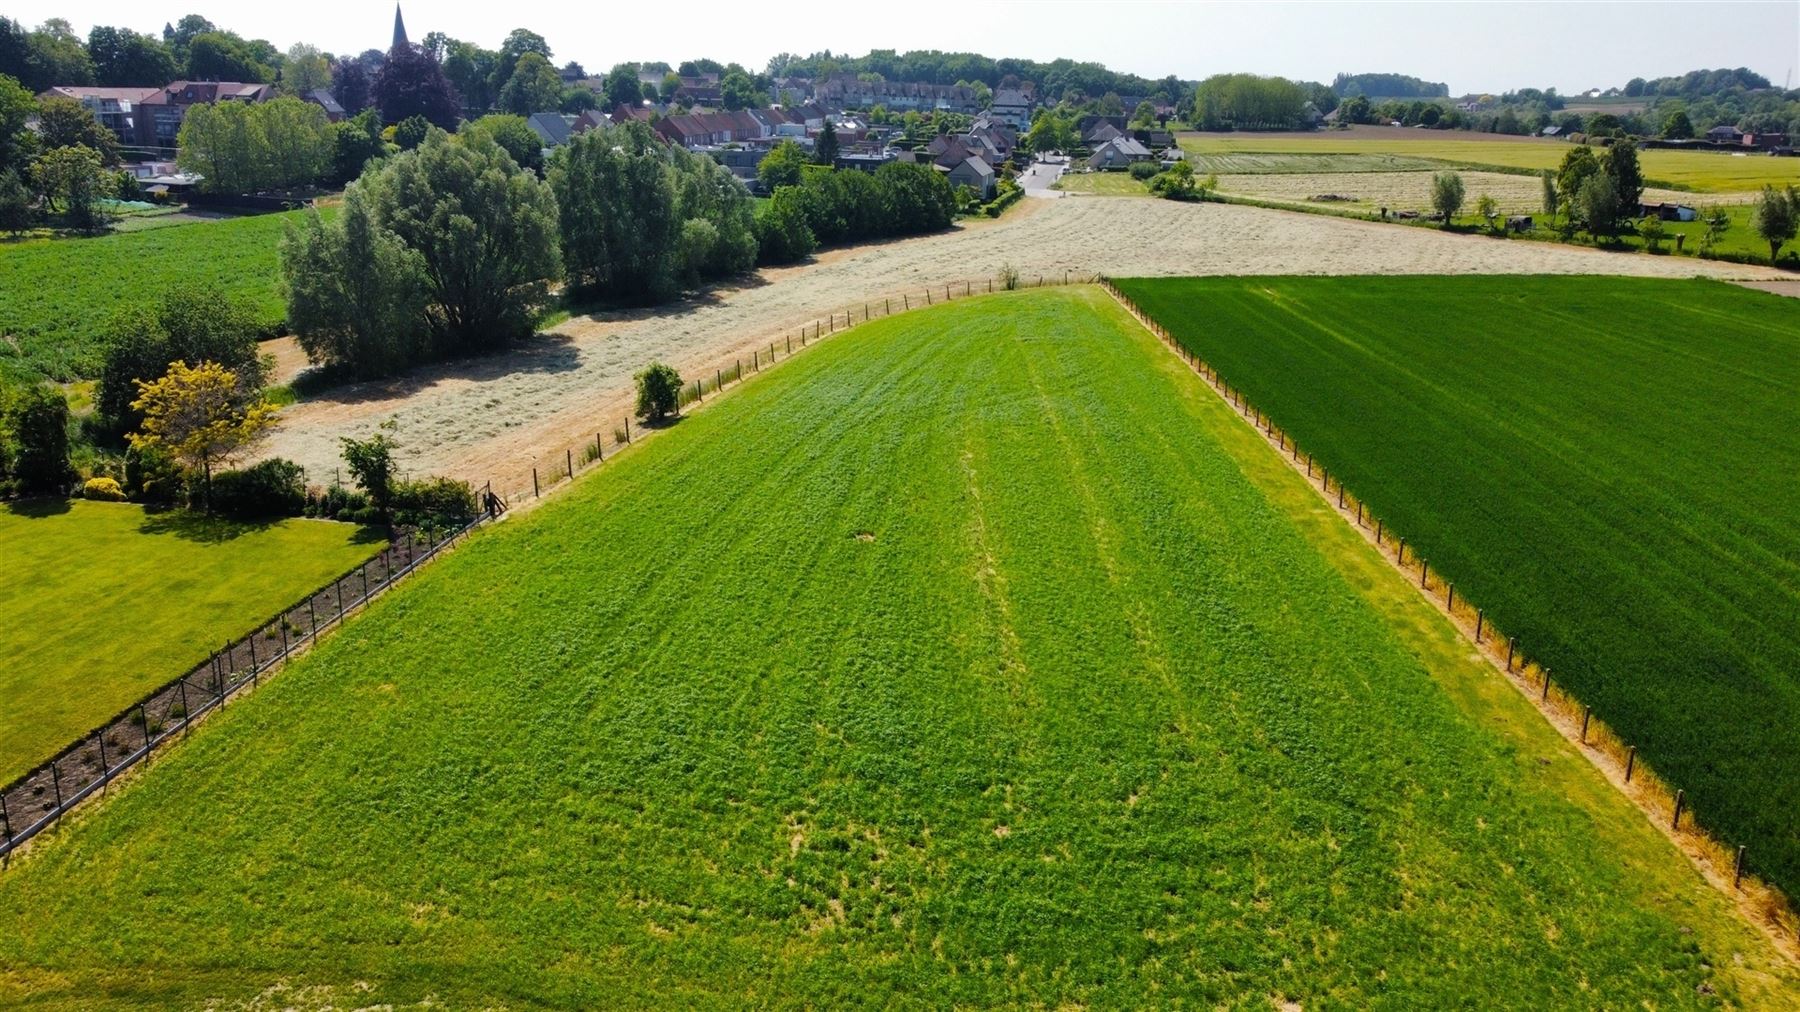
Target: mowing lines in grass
point(1599, 464)
point(974, 658)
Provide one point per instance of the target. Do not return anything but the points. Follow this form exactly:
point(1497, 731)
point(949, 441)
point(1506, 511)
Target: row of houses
point(152, 117)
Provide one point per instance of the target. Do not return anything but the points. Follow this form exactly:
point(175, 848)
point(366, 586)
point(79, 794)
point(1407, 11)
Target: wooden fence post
point(534, 484)
point(1630, 762)
point(1587, 714)
point(569, 460)
point(1680, 802)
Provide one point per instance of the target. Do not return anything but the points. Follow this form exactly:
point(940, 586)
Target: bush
point(433, 504)
point(335, 503)
point(151, 475)
point(273, 488)
point(1142, 171)
point(658, 392)
point(782, 234)
point(39, 423)
point(102, 490)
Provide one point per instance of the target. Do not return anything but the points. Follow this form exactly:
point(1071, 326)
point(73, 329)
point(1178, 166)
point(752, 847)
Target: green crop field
point(979, 657)
point(1606, 466)
point(56, 295)
point(103, 602)
point(1704, 171)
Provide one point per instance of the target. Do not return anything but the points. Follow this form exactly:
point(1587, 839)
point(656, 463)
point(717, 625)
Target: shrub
point(39, 423)
point(102, 490)
point(658, 392)
point(273, 488)
point(433, 504)
point(335, 503)
point(782, 234)
point(1009, 277)
point(1142, 171)
point(151, 475)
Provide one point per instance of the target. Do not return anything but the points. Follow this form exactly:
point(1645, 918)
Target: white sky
point(1472, 46)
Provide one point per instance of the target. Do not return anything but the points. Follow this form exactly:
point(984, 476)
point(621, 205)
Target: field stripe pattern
point(956, 662)
point(1599, 464)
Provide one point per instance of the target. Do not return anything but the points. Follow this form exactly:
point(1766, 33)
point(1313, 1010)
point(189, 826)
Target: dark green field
point(57, 294)
point(979, 657)
point(1609, 467)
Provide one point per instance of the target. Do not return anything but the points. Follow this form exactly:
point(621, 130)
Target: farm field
point(105, 601)
point(978, 657)
point(1702, 171)
point(56, 294)
point(1411, 191)
point(1101, 184)
point(1253, 163)
point(496, 417)
point(1605, 465)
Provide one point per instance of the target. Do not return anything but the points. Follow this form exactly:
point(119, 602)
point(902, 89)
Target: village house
point(1118, 153)
point(1724, 133)
point(975, 173)
point(115, 108)
point(1013, 107)
point(158, 118)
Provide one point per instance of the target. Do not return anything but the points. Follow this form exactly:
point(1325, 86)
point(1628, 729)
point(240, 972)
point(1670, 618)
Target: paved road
point(1037, 178)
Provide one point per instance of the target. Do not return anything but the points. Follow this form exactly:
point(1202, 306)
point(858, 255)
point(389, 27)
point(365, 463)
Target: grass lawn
point(1104, 184)
point(57, 294)
point(1606, 466)
point(103, 602)
point(1705, 171)
point(979, 657)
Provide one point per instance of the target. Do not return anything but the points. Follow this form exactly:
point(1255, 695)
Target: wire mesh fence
point(35, 801)
point(556, 467)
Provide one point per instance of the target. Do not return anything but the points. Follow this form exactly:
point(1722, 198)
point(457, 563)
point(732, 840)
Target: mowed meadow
point(1700, 171)
point(103, 602)
point(1607, 466)
point(979, 656)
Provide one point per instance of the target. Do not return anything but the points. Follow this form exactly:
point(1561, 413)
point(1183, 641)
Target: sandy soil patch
point(1411, 191)
point(496, 418)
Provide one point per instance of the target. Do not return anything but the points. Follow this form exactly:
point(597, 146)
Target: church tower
point(399, 28)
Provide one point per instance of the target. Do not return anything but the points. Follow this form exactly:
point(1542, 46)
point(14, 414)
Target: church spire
point(399, 28)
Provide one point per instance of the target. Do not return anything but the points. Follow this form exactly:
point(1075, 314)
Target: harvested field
point(1253, 163)
point(1702, 171)
point(498, 417)
point(1411, 191)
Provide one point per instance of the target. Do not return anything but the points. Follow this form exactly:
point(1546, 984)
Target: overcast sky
point(1472, 46)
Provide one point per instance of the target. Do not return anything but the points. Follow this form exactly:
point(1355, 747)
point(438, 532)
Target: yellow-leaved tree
point(200, 415)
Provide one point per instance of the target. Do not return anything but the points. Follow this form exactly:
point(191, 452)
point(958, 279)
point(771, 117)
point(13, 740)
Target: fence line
point(1652, 793)
point(37, 800)
point(562, 465)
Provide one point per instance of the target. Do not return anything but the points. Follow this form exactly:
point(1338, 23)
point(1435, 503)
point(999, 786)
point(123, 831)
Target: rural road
point(1038, 177)
point(497, 418)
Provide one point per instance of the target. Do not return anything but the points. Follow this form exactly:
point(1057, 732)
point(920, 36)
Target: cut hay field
point(1412, 190)
point(1702, 171)
point(57, 294)
point(978, 657)
point(103, 602)
point(1606, 466)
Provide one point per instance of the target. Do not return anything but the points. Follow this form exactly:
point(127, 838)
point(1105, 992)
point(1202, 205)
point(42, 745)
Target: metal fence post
point(105, 770)
point(187, 715)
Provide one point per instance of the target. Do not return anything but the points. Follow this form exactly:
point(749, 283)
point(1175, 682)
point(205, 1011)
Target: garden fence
point(35, 801)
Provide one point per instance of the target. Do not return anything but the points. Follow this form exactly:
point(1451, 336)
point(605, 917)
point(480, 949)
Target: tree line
point(453, 248)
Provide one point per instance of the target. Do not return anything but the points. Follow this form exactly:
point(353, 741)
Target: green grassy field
point(1103, 184)
point(56, 295)
point(1705, 171)
point(103, 602)
point(1606, 466)
point(979, 657)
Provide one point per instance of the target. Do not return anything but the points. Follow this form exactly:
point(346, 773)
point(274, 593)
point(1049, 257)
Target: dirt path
point(497, 418)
